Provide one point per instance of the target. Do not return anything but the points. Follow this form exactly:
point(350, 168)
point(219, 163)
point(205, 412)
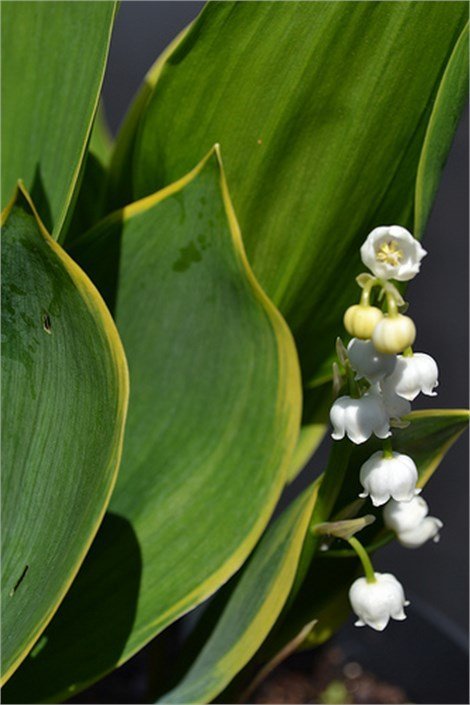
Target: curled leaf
point(344, 528)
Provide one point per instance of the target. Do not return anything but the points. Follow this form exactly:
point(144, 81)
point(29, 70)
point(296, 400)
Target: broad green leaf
point(321, 109)
point(441, 127)
point(213, 420)
point(253, 607)
point(53, 61)
point(64, 395)
point(323, 597)
point(446, 112)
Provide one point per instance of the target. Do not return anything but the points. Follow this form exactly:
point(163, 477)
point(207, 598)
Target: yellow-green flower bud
point(360, 321)
point(393, 334)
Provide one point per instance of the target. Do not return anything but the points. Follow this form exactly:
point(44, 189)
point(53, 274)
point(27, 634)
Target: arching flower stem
point(364, 558)
point(366, 290)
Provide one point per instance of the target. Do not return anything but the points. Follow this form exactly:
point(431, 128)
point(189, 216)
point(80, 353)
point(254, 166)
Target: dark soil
point(330, 679)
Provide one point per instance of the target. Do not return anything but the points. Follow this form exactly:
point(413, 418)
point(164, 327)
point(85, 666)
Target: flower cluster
point(384, 375)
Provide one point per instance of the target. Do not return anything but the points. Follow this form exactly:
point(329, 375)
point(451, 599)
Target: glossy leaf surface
point(321, 110)
point(64, 394)
point(213, 420)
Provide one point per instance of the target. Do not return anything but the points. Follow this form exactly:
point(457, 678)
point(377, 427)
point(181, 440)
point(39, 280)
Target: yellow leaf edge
point(289, 380)
point(274, 601)
point(96, 306)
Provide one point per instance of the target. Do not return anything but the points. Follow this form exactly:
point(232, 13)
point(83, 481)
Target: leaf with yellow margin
point(213, 420)
point(254, 605)
point(64, 398)
point(322, 110)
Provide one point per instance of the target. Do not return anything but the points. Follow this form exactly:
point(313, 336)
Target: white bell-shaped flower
point(403, 516)
point(391, 252)
point(389, 477)
point(428, 529)
point(368, 362)
point(396, 406)
point(412, 375)
point(411, 522)
point(359, 418)
point(375, 603)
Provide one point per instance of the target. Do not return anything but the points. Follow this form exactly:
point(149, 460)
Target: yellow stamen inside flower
point(389, 253)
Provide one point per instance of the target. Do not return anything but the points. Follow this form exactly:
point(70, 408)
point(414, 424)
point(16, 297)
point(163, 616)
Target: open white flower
point(412, 375)
point(375, 603)
point(368, 362)
point(359, 418)
point(411, 522)
point(389, 477)
point(391, 252)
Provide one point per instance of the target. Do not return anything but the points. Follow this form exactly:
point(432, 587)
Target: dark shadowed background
point(438, 303)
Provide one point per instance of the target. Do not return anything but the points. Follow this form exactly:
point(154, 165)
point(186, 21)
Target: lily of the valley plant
point(383, 373)
point(170, 305)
